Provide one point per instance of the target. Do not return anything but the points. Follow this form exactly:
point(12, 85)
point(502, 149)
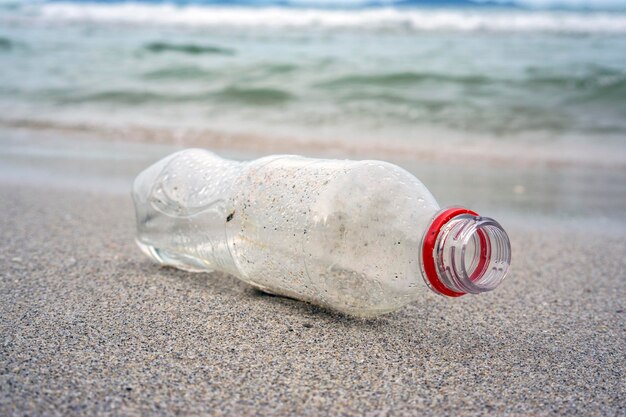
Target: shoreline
point(566, 194)
point(459, 148)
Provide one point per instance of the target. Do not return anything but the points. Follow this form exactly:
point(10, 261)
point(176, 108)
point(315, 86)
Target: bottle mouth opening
point(465, 253)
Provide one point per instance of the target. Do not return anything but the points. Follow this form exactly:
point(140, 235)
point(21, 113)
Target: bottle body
point(342, 234)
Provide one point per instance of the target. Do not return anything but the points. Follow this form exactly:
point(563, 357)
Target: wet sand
point(89, 326)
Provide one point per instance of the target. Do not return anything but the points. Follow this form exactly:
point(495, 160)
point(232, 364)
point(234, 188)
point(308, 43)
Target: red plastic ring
point(429, 246)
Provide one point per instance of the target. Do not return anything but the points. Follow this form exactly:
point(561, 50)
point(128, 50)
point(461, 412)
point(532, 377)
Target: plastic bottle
point(360, 237)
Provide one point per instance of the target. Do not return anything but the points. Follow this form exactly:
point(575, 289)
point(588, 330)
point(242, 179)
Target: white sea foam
point(378, 18)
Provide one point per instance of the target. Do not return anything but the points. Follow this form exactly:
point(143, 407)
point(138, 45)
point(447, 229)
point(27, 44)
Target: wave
point(114, 96)
point(193, 72)
point(610, 95)
point(249, 96)
point(190, 49)
point(6, 44)
point(434, 19)
point(182, 72)
point(255, 96)
point(401, 79)
point(597, 79)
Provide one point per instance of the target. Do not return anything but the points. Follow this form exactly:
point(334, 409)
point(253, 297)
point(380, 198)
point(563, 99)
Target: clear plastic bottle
point(360, 237)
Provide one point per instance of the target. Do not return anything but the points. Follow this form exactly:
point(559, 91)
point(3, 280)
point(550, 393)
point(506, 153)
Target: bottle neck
point(463, 252)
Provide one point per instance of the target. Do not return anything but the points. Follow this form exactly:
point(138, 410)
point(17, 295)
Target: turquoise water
point(382, 72)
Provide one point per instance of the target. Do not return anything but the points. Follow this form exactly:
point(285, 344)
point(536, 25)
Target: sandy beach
point(89, 326)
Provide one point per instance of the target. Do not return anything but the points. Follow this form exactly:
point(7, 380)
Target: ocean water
point(385, 71)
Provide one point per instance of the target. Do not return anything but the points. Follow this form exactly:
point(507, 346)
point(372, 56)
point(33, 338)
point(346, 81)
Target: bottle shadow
point(430, 323)
point(218, 282)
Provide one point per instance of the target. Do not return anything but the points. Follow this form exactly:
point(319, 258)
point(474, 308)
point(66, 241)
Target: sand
point(89, 326)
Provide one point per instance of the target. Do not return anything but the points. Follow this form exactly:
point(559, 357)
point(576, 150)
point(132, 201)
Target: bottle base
point(165, 258)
